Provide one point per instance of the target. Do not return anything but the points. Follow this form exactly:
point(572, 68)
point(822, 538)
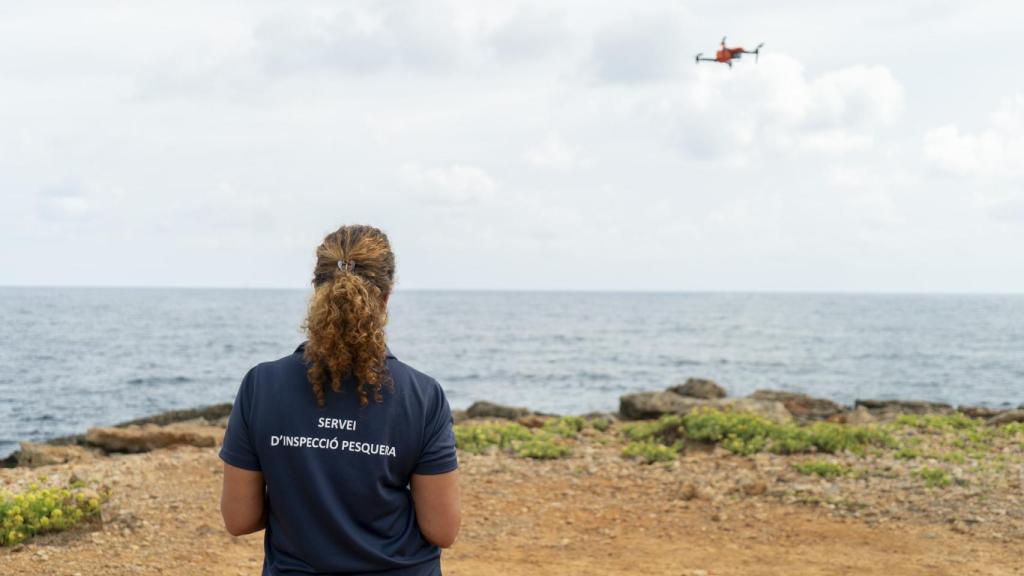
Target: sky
point(573, 145)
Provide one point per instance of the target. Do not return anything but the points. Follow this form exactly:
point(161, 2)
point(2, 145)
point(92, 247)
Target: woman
point(360, 478)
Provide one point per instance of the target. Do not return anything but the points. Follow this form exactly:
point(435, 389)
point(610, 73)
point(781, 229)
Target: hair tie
point(347, 265)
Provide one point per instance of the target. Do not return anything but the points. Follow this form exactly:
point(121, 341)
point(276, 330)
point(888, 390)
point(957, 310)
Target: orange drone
point(726, 55)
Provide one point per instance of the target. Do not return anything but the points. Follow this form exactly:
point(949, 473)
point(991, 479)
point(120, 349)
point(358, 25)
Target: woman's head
point(354, 272)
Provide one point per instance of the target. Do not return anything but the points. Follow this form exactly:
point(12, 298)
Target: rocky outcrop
point(212, 414)
point(151, 437)
point(804, 408)
point(33, 455)
point(983, 412)
point(858, 416)
point(483, 409)
point(1008, 417)
point(646, 405)
point(699, 388)
point(888, 409)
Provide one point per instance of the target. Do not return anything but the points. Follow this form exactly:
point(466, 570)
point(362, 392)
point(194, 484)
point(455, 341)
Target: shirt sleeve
point(438, 455)
point(238, 449)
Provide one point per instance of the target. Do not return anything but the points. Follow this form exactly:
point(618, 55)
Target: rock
point(648, 405)
point(211, 414)
point(979, 411)
point(32, 454)
point(887, 409)
point(755, 488)
point(531, 421)
point(699, 388)
point(151, 437)
point(459, 416)
point(858, 417)
point(482, 409)
point(1006, 418)
point(804, 408)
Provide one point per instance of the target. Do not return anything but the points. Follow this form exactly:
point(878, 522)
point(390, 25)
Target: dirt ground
point(591, 514)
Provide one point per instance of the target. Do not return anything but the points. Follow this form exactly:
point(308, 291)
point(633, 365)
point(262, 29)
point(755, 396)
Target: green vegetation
point(745, 433)
point(565, 426)
point(822, 468)
point(515, 438)
point(933, 477)
point(601, 424)
point(46, 509)
point(651, 452)
point(935, 423)
point(907, 454)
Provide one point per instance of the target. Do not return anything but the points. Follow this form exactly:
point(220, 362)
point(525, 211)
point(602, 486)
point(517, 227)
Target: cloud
point(775, 105)
point(455, 185)
point(62, 203)
point(552, 152)
point(640, 49)
point(528, 35)
point(994, 152)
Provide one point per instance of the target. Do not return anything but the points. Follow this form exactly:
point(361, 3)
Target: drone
point(726, 55)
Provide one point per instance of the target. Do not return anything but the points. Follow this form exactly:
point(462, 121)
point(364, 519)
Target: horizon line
point(399, 288)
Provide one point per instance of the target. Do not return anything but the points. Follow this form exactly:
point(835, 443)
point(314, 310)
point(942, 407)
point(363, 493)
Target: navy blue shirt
point(338, 499)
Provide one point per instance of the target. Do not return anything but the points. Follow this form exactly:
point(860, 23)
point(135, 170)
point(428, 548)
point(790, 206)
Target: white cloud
point(638, 49)
point(455, 185)
point(994, 152)
point(552, 152)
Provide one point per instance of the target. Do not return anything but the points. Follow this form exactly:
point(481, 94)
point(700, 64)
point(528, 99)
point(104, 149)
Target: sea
point(72, 358)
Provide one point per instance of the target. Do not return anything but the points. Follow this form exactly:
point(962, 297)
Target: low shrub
point(651, 452)
point(933, 477)
point(565, 426)
point(513, 437)
point(41, 509)
point(822, 468)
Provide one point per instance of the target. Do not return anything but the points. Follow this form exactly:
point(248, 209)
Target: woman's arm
point(438, 512)
point(241, 500)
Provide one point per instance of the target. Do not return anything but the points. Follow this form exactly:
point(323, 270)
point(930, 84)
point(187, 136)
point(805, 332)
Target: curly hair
point(354, 273)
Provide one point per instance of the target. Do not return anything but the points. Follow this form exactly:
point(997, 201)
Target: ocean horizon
point(76, 357)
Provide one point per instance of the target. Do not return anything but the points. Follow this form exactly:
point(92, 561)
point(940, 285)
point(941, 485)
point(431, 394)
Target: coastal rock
point(648, 405)
point(979, 411)
point(459, 416)
point(483, 409)
point(889, 409)
point(804, 408)
point(858, 417)
point(151, 437)
point(212, 414)
point(32, 455)
point(1007, 417)
point(699, 388)
point(531, 421)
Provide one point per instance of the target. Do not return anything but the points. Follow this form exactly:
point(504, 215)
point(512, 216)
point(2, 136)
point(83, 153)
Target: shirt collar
point(387, 351)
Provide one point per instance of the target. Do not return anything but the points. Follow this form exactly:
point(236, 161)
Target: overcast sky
point(876, 146)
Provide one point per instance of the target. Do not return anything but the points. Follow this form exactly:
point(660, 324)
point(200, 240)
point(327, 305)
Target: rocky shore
point(945, 496)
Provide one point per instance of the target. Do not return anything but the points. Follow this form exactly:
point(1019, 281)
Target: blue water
point(71, 358)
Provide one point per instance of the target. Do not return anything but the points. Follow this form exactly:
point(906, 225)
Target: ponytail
point(348, 311)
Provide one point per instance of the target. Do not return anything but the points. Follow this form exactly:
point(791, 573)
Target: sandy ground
point(593, 513)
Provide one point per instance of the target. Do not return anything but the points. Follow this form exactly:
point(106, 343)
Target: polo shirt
point(338, 499)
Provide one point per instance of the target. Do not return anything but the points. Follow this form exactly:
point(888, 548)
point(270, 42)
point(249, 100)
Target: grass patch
point(651, 452)
point(822, 468)
point(515, 438)
point(933, 477)
point(41, 509)
point(565, 426)
point(907, 454)
point(939, 423)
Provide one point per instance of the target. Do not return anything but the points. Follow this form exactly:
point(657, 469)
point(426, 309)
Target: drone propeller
point(757, 51)
point(697, 57)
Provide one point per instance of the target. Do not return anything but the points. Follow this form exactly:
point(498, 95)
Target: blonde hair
point(354, 273)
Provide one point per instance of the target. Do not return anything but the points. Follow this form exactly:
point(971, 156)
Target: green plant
point(650, 451)
point(565, 426)
point(512, 437)
point(601, 424)
point(822, 468)
point(933, 477)
point(542, 447)
point(46, 509)
point(907, 454)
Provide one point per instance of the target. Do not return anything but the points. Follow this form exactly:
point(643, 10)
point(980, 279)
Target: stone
point(483, 409)
point(699, 388)
point(887, 409)
point(531, 421)
point(649, 405)
point(211, 414)
point(1007, 417)
point(755, 488)
point(804, 408)
point(979, 411)
point(33, 455)
point(859, 416)
point(459, 416)
point(151, 437)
